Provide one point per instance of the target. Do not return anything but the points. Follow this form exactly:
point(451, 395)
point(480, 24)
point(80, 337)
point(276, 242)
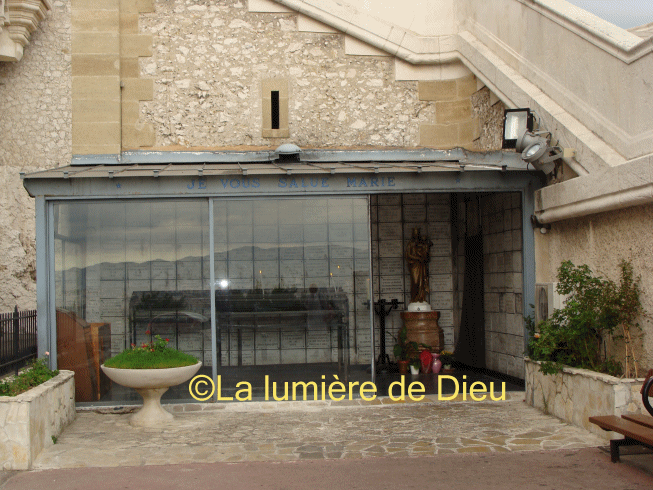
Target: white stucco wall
point(601, 241)
point(426, 18)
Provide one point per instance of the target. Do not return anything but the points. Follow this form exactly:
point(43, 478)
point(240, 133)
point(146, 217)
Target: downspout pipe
point(611, 202)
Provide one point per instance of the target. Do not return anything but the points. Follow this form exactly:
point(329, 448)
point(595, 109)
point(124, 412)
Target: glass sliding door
point(291, 280)
point(124, 273)
point(292, 284)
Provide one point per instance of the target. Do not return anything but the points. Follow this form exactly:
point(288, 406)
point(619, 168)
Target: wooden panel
point(625, 427)
point(101, 349)
point(72, 354)
point(645, 420)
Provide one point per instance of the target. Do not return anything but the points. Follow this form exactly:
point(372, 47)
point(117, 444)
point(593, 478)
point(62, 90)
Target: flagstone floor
point(287, 431)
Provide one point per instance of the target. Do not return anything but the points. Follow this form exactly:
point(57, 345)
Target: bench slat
point(645, 420)
point(625, 427)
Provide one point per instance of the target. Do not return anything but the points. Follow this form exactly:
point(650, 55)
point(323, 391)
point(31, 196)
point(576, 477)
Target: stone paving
point(290, 431)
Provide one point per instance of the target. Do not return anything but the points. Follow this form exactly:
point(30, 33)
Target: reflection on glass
point(296, 293)
point(124, 272)
point(291, 282)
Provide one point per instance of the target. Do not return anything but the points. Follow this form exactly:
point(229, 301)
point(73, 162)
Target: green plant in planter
point(575, 335)
point(446, 357)
point(153, 355)
point(33, 376)
point(407, 350)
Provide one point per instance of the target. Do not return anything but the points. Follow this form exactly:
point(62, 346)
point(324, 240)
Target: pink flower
point(147, 332)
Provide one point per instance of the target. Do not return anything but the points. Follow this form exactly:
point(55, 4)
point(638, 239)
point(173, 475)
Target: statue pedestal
point(422, 327)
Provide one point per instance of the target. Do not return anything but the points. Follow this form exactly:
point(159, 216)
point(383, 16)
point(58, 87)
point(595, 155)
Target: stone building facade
point(194, 96)
point(121, 78)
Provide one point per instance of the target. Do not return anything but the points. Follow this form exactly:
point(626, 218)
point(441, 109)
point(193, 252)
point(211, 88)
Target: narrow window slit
point(274, 109)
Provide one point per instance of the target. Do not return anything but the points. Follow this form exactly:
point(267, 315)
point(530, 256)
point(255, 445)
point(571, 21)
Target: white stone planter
point(151, 384)
point(577, 394)
point(28, 421)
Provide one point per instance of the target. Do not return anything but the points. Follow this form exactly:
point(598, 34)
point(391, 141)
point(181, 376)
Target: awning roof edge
point(308, 155)
point(272, 168)
point(174, 164)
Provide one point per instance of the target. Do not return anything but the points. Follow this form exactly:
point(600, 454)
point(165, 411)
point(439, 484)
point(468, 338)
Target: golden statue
point(418, 257)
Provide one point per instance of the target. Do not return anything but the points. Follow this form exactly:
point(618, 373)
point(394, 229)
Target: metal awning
point(308, 162)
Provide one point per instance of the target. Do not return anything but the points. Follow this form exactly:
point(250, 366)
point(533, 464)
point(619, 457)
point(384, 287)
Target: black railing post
point(16, 338)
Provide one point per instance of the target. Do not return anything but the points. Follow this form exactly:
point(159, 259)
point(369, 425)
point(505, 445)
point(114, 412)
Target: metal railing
point(17, 339)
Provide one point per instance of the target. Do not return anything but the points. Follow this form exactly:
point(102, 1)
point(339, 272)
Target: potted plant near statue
point(414, 365)
point(151, 369)
point(447, 359)
point(406, 351)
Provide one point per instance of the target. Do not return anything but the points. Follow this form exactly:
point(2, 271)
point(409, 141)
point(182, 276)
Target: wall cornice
point(612, 39)
point(18, 19)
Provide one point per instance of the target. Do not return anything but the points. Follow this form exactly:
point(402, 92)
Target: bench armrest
point(646, 391)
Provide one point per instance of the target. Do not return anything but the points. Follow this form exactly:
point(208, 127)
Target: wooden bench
point(636, 429)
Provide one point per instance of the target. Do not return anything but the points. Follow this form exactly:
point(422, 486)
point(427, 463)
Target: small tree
point(630, 308)
point(595, 307)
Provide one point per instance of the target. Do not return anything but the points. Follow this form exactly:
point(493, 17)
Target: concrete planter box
point(577, 394)
point(28, 421)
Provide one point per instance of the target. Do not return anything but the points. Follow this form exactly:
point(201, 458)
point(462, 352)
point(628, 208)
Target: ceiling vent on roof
point(288, 152)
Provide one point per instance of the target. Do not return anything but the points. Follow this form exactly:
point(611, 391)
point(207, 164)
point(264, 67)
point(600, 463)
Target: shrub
point(33, 376)
point(575, 335)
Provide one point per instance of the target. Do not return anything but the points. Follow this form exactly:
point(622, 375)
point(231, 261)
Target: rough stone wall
point(28, 421)
point(35, 124)
point(209, 61)
point(601, 241)
point(489, 111)
point(575, 395)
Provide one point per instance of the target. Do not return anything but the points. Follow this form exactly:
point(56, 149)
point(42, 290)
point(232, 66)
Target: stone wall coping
point(32, 394)
point(606, 378)
point(600, 32)
point(301, 405)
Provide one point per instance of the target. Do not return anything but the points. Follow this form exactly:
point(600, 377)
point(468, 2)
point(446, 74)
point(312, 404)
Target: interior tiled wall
point(498, 217)
point(501, 217)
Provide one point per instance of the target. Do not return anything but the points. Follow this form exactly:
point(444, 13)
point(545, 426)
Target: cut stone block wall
point(453, 123)
point(28, 421)
point(498, 218)
point(577, 394)
point(503, 283)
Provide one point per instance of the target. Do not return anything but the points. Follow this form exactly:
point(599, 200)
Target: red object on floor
point(426, 358)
